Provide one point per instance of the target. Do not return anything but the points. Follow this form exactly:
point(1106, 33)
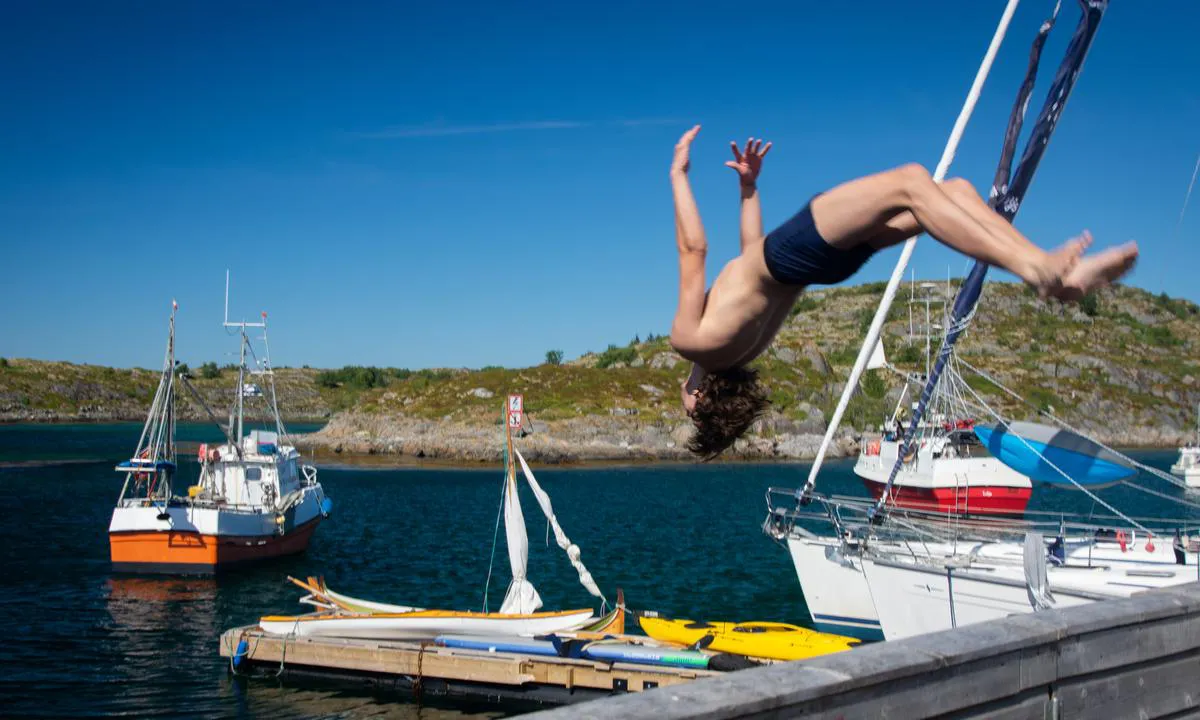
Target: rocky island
point(1118, 366)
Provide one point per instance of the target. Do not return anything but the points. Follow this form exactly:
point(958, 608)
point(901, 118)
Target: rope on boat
point(495, 538)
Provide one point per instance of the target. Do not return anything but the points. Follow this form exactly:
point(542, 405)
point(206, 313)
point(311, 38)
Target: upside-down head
point(727, 403)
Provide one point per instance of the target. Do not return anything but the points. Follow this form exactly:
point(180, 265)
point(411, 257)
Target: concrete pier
point(1135, 658)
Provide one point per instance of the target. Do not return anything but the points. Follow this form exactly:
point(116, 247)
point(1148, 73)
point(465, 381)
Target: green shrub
point(554, 357)
point(1089, 305)
point(909, 353)
point(873, 385)
point(353, 376)
point(614, 355)
point(209, 371)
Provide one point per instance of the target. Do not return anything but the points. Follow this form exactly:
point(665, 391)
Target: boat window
point(254, 473)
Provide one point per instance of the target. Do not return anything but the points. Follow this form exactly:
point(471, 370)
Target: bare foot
point(1049, 277)
point(1097, 271)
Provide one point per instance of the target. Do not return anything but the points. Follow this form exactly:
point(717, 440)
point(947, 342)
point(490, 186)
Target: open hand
point(682, 160)
point(748, 162)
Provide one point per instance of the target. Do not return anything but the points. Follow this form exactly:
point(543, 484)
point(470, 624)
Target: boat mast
point(241, 326)
point(241, 384)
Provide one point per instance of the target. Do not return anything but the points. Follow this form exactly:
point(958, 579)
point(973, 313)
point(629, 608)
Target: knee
point(959, 187)
point(913, 181)
point(914, 173)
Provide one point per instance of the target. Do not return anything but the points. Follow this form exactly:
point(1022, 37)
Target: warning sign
point(516, 410)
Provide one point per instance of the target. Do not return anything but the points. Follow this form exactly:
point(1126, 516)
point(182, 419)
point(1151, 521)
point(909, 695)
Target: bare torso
point(744, 311)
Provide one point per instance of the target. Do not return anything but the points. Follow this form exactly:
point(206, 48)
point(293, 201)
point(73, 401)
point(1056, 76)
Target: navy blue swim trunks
point(796, 254)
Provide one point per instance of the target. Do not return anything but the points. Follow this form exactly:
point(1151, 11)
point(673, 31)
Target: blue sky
point(463, 184)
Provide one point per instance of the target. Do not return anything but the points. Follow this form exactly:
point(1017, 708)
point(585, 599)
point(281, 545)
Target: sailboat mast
point(241, 387)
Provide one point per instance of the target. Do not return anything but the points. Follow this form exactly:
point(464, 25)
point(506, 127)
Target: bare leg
point(961, 192)
point(873, 209)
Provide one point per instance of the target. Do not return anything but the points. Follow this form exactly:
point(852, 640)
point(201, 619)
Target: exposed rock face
point(576, 440)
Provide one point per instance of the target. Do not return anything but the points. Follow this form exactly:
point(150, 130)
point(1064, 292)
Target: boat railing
point(850, 518)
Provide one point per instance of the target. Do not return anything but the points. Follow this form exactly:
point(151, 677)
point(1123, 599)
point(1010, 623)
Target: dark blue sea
point(81, 641)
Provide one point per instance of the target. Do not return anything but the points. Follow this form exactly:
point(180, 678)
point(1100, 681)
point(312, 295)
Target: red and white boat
point(950, 471)
point(947, 469)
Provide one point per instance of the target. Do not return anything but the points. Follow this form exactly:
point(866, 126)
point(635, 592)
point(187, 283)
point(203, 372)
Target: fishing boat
point(769, 640)
point(346, 616)
point(255, 498)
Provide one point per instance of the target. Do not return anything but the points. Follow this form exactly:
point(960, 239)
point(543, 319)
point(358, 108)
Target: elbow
point(685, 342)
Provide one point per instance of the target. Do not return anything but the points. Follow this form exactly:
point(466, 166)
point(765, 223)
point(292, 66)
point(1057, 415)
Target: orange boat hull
point(192, 553)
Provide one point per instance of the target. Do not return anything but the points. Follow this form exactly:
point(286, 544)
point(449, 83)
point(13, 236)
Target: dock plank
point(429, 661)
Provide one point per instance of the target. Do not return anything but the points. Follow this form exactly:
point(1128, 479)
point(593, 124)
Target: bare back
point(744, 311)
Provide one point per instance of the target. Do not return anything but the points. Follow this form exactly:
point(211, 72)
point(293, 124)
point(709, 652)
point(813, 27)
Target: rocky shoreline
point(358, 438)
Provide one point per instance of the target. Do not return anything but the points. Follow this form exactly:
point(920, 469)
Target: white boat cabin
point(265, 472)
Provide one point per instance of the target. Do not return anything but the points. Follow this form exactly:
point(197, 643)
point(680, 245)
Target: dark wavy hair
point(728, 403)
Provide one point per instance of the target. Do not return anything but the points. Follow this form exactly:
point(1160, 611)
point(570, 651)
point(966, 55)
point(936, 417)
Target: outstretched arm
point(693, 247)
point(748, 164)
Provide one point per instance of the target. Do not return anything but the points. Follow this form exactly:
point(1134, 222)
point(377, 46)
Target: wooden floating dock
point(429, 670)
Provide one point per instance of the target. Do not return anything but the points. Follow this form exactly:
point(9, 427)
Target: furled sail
point(522, 597)
point(570, 548)
point(1006, 196)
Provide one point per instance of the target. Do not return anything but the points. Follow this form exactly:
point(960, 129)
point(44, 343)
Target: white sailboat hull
point(841, 598)
point(918, 594)
point(835, 589)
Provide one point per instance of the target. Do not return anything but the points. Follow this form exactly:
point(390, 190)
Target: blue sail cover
point(1035, 450)
point(1006, 196)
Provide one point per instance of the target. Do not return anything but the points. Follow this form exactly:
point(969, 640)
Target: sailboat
point(893, 572)
point(345, 616)
point(254, 500)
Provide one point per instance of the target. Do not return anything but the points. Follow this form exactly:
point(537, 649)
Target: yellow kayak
point(775, 641)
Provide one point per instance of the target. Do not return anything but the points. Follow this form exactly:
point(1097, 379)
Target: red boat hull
point(983, 500)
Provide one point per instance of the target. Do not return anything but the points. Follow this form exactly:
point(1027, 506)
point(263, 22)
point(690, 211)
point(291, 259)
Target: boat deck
point(428, 670)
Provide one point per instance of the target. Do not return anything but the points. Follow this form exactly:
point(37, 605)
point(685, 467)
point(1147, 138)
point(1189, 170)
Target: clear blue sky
point(462, 184)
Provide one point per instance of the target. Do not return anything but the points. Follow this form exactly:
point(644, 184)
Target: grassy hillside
point(1123, 357)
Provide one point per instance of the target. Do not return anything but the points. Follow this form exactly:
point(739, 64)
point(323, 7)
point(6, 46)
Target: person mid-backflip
point(723, 329)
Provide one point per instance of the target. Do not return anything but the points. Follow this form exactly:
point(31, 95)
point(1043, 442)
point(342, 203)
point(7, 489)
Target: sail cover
point(522, 597)
point(1053, 455)
point(1037, 583)
point(570, 548)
